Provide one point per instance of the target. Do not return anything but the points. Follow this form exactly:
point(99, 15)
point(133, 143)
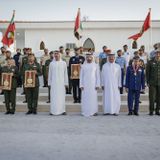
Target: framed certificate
point(6, 81)
point(30, 77)
point(75, 71)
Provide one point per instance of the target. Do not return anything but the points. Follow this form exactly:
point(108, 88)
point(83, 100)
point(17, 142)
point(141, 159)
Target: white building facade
point(95, 34)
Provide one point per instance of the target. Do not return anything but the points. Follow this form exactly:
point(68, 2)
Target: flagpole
point(14, 11)
point(150, 33)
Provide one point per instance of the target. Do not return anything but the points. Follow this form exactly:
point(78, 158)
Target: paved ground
point(73, 137)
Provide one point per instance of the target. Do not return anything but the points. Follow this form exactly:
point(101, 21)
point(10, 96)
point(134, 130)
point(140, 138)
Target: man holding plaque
point(74, 73)
point(58, 81)
point(9, 74)
point(31, 83)
point(46, 70)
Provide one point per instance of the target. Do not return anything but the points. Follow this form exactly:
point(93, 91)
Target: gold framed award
point(30, 77)
point(6, 81)
point(75, 71)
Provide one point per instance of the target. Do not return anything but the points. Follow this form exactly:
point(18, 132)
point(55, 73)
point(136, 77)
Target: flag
point(9, 36)
point(145, 27)
point(78, 26)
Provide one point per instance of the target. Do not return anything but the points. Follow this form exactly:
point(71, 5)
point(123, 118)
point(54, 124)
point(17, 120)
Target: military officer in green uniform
point(46, 69)
point(23, 61)
point(153, 81)
point(32, 93)
point(10, 95)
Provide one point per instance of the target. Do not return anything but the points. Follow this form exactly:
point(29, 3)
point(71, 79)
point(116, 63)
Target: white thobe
point(57, 79)
point(111, 81)
point(89, 80)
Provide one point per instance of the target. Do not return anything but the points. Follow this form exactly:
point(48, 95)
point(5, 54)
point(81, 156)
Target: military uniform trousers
point(68, 90)
point(44, 76)
point(154, 96)
point(122, 81)
point(32, 98)
point(10, 100)
point(133, 96)
point(76, 90)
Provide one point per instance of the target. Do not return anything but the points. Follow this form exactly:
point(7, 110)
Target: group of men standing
point(12, 70)
point(84, 76)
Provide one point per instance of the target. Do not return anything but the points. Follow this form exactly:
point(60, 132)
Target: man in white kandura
point(57, 80)
point(111, 83)
point(89, 84)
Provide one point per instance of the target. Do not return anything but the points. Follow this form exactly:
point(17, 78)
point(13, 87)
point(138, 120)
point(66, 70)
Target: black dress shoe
point(106, 114)
point(75, 101)
point(115, 114)
point(151, 113)
point(24, 101)
point(29, 112)
point(48, 102)
point(34, 112)
point(130, 113)
point(136, 113)
point(22, 93)
point(157, 113)
point(96, 114)
point(8, 112)
point(64, 113)
point(79, 101)
point(12, 112)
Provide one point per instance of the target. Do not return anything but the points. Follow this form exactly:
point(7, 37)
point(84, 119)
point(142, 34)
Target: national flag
point(9, 35)
point(78, 26)
point(145, 27)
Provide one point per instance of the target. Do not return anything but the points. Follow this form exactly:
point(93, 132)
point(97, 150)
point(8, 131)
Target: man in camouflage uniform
point(153, 81)
point(23, 61)
point(32, 93)
point(10, 95)
point(2, 59)
point(44, 58)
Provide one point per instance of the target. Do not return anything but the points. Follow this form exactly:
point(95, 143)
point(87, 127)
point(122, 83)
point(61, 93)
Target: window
point(88, 44)
point(42, 46)
point(71, 45)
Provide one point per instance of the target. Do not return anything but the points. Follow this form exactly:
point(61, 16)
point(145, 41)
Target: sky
point(66, 10)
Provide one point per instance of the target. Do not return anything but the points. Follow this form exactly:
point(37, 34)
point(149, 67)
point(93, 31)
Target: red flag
point(8, 37)
point(145, 27)
point(135, 37)
point(78, 26)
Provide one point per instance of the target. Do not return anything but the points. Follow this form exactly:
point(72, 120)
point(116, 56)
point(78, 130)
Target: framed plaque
point(30, 77)
point(6, 81)
point(75, 71)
